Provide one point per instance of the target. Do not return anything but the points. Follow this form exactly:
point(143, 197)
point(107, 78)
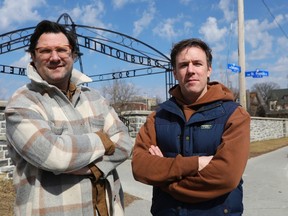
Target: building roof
point(281, 95)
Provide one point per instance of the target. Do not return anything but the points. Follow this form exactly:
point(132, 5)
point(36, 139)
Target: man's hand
point(154, 150)
point(107, 143)
point(203, 161)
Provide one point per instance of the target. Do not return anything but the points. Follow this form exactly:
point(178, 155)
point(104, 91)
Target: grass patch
point(262, 147)
point(7, 197)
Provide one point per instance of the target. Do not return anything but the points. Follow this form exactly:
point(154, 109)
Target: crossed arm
point(203, 161)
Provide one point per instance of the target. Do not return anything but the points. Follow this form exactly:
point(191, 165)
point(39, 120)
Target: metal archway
point(145, 59)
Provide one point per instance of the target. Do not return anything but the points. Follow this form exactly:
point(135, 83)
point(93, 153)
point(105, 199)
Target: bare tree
point(119, 93)
point(264, 88)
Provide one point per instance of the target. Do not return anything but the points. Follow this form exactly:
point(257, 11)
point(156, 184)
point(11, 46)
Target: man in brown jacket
point(193, 150)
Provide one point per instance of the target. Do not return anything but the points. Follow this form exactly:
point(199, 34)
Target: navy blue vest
point(201, 135)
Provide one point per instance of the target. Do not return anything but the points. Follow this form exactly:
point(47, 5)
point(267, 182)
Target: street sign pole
point(241, 51)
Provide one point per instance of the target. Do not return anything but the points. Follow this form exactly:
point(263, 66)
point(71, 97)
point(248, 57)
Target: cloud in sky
point(225, 6)
point(281, 65)
point(145, 20)
point(90, 14)
point(14, 13)
point(172, 28)
point(258, 35)
point(256, 31)
point(211, 31)
point(282, 44)
point(23, 61)
point(118, 4)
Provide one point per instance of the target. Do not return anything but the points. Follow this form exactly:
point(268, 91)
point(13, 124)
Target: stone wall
point(2, 126)
point(6, 165)
point(268, 128)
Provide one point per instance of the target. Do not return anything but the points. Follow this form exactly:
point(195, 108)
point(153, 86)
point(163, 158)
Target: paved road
point(265, 186)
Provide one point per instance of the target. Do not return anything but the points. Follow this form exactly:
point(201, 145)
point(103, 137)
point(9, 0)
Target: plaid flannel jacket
point(49, 136)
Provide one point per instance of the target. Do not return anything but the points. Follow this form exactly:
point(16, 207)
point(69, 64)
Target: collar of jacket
point(76, 76)
point(204, 112)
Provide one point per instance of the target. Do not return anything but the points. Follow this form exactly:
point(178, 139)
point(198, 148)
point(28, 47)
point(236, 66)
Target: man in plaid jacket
point(63, 137)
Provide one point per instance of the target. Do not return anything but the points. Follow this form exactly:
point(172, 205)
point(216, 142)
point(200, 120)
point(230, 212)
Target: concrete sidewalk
point(265, 186)
point(130, 186)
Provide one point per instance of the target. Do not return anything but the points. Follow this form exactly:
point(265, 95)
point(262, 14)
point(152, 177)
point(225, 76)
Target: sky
point(159, 24)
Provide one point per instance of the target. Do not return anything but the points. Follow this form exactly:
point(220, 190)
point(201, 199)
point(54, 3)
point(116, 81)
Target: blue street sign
point(262, 72)
point(257, 76)
point(249, 73)
point(234, 68)
point(257, 73)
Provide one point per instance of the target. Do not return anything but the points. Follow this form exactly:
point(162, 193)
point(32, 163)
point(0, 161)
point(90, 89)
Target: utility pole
point(241, 54)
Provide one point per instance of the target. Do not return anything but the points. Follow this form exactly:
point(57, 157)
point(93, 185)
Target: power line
point(278, 24)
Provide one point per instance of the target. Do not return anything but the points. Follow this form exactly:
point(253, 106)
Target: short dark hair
point(192, 42)
point(47, 26)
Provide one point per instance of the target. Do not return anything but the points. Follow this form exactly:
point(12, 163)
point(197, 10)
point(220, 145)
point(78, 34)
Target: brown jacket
point(186, 183)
